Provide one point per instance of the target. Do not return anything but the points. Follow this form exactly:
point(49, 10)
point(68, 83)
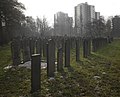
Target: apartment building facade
point(62, 24)
point(84, 14)
point(116, 26)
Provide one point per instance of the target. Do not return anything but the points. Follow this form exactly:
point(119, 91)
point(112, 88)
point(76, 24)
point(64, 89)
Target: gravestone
point(44, 47)
point(77, 50)
point(50, 58)
point(35, 73)
point(59, 43)
point(63, 43)
point(67, 53)
point(73, 42)
point(105, 40)
point(15, 50)
point(84, 48)
point(60, 59)
point(38, 46)
point(89, 46)
point(94, 42)
point(26, 50)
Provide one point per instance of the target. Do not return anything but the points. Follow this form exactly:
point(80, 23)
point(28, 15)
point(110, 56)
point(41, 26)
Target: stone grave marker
point(50, 58)
point(38, 46)
point(35, 73)
point(60, 59)
point(89, 46)
point(77, 50)
point(44, 47)
point(84, 48)
point(26, 50)
point(67, 53)
point(15, 50)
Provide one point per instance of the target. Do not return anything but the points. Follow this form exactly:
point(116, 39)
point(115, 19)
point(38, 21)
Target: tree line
point(99, 28)
point(14, 23)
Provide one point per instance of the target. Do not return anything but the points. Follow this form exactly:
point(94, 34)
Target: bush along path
point(95, 76)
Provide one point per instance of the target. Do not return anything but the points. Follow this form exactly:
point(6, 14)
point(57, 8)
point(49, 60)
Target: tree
point(29, 28)
point(39, 25)
point(108, 27)
point(96, 28)
point(43, 27)
point(35, 27)
point(11, 12)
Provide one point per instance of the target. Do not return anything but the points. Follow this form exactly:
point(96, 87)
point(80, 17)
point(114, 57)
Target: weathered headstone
point(94, 42)
point(73, 42)
point(38, 46)
point(67, 53)
point(85, 48)
point(26, 50)
point(89, 46)
point(77, 50)
point(50, 58)
point(35, 73)
point(15, 50)
point(60, 59)
point(63, 43)
point(44, 47)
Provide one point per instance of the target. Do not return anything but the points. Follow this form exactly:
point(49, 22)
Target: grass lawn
point(95, 76)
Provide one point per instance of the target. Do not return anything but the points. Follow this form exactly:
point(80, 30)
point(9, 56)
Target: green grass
point(15, 81)
point(95, 76)
point(5, 57)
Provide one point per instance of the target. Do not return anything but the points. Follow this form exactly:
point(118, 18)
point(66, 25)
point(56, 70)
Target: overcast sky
point(48, 8)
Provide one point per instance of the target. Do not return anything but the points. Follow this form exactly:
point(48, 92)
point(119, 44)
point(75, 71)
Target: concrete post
point(60, 59)
point(77, 50)
point(67, 53)
point(35, 72)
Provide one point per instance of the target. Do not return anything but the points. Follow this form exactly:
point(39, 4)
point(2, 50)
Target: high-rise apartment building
point(97, 15)
point(84, 14)
point(91, 11)
point(62, 24)
point(116, 26)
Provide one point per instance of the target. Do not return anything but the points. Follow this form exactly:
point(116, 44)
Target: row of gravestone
point(98, 43)
point(31, 46)
point(23, 49)
point(94, 44)
point(51, 67)
point(35, 72)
